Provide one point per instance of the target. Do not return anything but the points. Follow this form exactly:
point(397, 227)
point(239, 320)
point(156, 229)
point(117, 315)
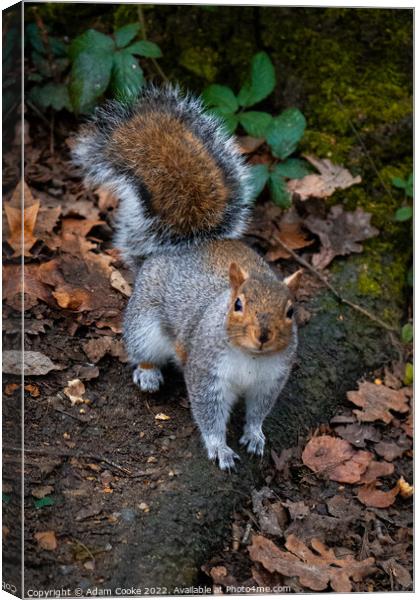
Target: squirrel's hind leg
point(148, 348)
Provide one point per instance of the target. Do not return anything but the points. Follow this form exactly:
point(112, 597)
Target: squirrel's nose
point(265, 335)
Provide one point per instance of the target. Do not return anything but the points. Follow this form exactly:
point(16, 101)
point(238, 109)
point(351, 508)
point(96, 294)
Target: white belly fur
point(242, 372)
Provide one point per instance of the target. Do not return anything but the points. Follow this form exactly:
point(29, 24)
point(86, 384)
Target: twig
point(143, 26)
point(75, 417)
point(336, 293)
point(366, 151)
point(68, 453)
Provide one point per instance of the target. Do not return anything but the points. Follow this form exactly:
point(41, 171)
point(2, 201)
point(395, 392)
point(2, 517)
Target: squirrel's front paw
point(225, 455)
point(254, 441)
point(148, 380)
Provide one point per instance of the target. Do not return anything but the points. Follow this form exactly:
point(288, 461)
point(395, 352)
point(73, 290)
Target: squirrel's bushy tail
point(179, 176)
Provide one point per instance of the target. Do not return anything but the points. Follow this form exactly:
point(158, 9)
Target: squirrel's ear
point(236, 275)
point(293, 281)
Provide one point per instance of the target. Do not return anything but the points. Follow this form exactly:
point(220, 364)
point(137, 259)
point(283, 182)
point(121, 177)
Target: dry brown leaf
point(332, 177)
point(340, 233)
point(96, 348)
point(315, 570)
point(10, 388)
point(357, 434)
point(34, 363)
point(289, 231)
point(73, 235)
point(406, 490)
point(297, 510)
point(107, 201)
point(14, 220)
point(375, 470)
point(248, 144)
point(370, 495)
point(33, 390)
point(75, 391)
point(34, 289)
point(376, 401)
point(392, 450)
point(119, 283)
point(46, 540)
point(336, 459)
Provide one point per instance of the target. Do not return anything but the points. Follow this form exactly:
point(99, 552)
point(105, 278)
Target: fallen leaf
point(340, 233)
point(357, 434)
point(32, 287)
point(119, 283)
point(74, 391)
point(33, 390)
point(14, 219)
point(336, 459)
point(297, 510)
point(46, 540)
point(96, 348)
point(162, 417)
point(332, 177)
point(315, 570)
point(289, 231)
point(392, 450)
point(10, 388)
point(342, 507)
point(376, 402)
point(42, 490)
point(268, 517)
point(370, 495)
point(375, 470)
point(107, 201)
point(248, 144)
point(34, 363)
point(406, 490)
point(398, 573)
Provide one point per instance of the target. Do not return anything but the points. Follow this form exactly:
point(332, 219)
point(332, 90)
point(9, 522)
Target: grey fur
point(178, 296)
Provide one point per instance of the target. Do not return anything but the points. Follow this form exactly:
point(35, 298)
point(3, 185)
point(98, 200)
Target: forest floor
point(332, 511)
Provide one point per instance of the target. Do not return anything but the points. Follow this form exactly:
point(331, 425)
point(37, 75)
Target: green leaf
point(259, 178)
point(33, 35)
point(221, 96)
point(398, 182)
point(91, 41)
point(127, 76)
point(42, 64)
point(227, 119)
point(409, 374)
point(407, 333)
point(58, 47)
point(278, 188)
point(294, 168)
point(127, 33)
point(47, 501)
point(145, 48)
point(255, 123)
point(51, 94)
point(409, 186)
point(404, 213)
point(285, 132)
point(89, 78)
point(261, 82)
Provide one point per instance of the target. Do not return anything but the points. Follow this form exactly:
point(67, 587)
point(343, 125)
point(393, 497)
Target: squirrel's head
point(260, 316)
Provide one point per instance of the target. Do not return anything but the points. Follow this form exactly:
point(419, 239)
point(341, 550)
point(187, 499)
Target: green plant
point(99, 63)
point(282, 133)
point(405, 212)
point(49, 57)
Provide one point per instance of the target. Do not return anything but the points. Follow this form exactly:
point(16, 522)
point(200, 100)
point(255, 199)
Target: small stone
point(144, 507)
point(128, 515)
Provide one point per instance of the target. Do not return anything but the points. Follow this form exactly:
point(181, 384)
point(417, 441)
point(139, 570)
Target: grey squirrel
point(202, 299)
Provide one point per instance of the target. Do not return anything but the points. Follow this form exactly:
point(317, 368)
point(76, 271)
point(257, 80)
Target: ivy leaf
point(89, 78)
point(124, 35)
point(404, 213)
point(398, 182)
point(261, 82)
point(90, 41)
point(34, 36)
point(47, 501)
point(259, 178)
point(286, 131)
point(51, 94)
point(294, 168)
point(255, 123)
point(145, 48)
point(409, 374)
point(278, 188)
point(221, 96)
point(407, 333)
point(227, 119)
point(127, 75)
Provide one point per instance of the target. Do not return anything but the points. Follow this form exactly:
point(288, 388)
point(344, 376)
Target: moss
point(201, 62)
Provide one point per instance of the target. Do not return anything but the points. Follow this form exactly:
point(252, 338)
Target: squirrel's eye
point(289, 313)
point(238, 305)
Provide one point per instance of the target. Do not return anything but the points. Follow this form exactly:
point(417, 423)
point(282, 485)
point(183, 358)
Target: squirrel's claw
point(254, 442)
